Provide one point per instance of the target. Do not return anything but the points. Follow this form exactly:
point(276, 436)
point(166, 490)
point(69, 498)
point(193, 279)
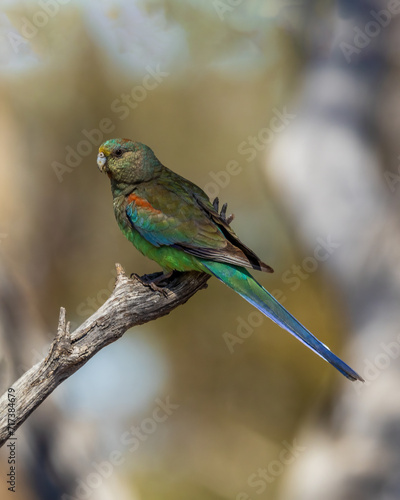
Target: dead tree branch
point(131, 303)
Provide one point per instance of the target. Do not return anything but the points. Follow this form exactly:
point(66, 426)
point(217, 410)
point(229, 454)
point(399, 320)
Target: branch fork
point(131, 303)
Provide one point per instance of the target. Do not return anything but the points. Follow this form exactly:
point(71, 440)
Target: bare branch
point(131, 303)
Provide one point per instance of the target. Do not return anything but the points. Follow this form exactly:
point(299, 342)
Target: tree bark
point(132, 303)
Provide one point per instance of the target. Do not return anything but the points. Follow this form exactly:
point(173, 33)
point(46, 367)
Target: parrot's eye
point(118, 152)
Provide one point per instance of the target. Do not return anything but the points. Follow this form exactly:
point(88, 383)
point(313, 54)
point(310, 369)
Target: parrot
point(173, 222)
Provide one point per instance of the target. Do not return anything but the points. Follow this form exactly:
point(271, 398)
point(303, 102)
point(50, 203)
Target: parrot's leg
point(154, 281)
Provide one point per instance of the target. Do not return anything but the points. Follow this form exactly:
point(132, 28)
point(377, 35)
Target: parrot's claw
point(158, 289)
point(152, 282)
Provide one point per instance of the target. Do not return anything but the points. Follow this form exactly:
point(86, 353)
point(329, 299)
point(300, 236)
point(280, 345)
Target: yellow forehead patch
point(108, 147)
point(105, 150)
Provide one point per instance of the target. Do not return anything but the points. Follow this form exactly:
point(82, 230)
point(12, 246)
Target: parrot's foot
point(153, 282)
point(222, 214)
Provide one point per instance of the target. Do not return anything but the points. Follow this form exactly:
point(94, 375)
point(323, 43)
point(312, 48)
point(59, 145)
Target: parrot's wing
point(184, 220)
point(231, 236)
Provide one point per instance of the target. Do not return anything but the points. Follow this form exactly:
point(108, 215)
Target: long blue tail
point(241, 281)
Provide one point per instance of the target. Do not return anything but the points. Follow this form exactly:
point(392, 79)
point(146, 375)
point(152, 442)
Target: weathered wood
point(131, 303)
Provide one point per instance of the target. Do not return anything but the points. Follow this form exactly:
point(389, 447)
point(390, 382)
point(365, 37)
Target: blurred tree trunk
point(21, 335)
point(331, 179)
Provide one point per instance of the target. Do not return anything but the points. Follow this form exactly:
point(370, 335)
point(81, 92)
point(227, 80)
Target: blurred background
point(287, 110)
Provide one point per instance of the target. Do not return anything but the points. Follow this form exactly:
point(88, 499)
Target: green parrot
point(172, 221)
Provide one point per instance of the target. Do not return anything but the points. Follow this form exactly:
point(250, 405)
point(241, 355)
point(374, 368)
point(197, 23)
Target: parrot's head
point(127, 162)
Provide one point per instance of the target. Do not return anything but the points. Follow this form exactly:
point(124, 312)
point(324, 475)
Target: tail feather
point(241, 281)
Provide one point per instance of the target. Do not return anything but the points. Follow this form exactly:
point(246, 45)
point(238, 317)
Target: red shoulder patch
point(141, 202)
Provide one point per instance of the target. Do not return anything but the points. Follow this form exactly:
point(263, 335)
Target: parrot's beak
point(101, 161)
